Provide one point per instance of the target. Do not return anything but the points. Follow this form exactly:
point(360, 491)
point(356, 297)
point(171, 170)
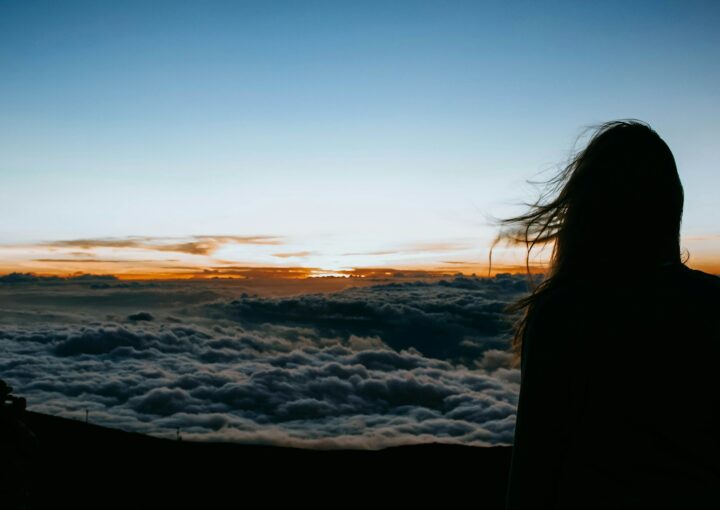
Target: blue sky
point(358, 133)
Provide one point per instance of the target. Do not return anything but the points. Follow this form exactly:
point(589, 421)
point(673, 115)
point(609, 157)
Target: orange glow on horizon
point(244, 273)
point(708, 265)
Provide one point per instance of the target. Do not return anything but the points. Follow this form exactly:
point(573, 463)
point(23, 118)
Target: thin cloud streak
point(99, 261)
point(192, 245)
point(293, 254)
point(418, 247)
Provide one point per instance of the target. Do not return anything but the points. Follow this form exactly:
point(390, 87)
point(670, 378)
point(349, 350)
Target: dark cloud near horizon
point(448, 319)
point(113, 297)
point(17, 278)
point(93, 281)
point(140, 316)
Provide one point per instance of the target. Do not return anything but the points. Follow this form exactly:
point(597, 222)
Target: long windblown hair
point(616, 207)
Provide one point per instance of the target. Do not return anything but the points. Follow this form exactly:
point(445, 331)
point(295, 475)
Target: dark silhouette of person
point(618, 345)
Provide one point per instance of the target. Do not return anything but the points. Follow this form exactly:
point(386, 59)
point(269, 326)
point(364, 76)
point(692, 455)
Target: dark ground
point(87, 466)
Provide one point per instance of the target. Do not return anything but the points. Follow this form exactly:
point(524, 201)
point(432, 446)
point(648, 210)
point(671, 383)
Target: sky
point(319, 138)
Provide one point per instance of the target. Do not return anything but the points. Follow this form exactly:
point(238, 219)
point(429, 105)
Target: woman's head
point(617, 206)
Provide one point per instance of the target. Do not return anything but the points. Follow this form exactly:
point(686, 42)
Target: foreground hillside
point(87, 466)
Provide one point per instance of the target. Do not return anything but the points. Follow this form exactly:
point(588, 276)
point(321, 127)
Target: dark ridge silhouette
point(18, 450)
point(19, 278)
point(89, 466)
point(619, 403)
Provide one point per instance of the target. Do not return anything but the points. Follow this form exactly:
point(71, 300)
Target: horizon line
point(305, 273)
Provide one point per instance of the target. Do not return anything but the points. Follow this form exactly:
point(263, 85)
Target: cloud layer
point(366, 367)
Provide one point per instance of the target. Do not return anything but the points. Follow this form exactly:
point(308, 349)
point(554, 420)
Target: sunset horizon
point(240, 230)
point(104, 256)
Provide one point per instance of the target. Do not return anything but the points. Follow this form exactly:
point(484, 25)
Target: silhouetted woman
point(619, 345)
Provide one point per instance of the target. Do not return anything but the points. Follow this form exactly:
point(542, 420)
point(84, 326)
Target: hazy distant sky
point(333, 134)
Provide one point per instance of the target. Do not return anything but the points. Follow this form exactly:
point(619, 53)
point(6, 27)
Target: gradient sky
point(330, 135)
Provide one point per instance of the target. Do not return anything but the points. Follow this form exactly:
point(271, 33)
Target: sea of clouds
point(366, 367)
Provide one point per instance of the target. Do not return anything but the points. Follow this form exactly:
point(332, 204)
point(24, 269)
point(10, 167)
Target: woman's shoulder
point(703, 281)
point(685, 287)
point(677, 279)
